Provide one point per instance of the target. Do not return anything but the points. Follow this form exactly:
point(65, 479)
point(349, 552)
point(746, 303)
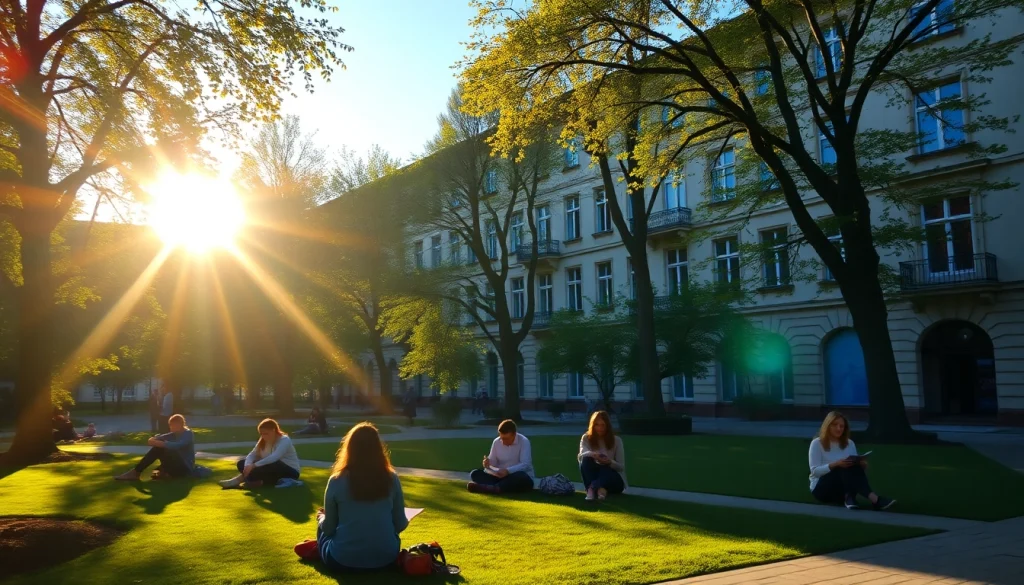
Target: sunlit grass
point(195, 532)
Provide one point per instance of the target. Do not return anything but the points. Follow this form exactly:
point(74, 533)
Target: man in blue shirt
point(174, 450)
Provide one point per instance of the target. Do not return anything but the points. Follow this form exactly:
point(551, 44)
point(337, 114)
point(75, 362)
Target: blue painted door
point(845, 377)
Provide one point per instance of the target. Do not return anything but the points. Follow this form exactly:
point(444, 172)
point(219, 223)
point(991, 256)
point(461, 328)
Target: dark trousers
point(513, 482)
point(170, 460)
point(834, 486)
point(599, 476)
point(271, 473)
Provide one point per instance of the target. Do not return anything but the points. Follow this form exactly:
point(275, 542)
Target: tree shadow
point(387, 575)
point(294, 503)
point(162, 493)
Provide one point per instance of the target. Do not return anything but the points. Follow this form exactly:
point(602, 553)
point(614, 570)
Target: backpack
point(425, 559)
point(557, 485)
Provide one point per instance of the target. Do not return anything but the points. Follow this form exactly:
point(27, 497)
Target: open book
point(856, 458)
point(411, 513)
point(492, 470)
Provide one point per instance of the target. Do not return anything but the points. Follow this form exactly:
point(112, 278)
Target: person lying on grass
point(315, 425)
point(364, 508)
point(509, 465)
point(838, 475)
point(271, 460)
point(174, 450)
point(602, 458)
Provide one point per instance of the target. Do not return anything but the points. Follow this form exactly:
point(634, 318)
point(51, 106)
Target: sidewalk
point(833, 512)
point(989, 553)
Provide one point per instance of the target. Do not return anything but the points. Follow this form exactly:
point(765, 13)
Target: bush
point(557, 409)
point(495, 413)
point(758, 407)
point(447, 412)
point(656, 425)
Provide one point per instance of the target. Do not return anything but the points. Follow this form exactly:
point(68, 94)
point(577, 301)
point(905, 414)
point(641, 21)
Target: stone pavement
point(990, 553)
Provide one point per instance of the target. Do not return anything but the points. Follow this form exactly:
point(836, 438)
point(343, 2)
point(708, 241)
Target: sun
point(196, 212)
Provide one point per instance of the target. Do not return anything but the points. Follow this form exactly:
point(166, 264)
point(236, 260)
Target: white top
point(514, 457)
point(284, 451)
point(818, 458)
point(617, 454)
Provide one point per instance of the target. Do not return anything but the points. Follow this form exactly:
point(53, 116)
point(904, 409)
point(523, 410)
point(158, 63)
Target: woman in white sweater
point(837, 474)
point(602, 458)
point(271, 460)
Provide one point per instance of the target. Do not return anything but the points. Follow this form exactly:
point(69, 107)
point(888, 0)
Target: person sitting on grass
point(602, 458)
point(316, 424)
point(364, 508)
point(837, 473)
point(63, 428)
point(509, 465)
point(174, 450)
point(90, 431)
point(271, 460)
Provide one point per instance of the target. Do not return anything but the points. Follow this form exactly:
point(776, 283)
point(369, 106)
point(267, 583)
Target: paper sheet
point(411, 513)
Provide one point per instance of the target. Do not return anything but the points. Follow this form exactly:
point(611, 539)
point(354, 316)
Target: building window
point(776, 257)
point(768, 180)
point(638, 389)
point(835, 237)
point(677, 270)
point(517, 230)
point(763, 82)
point(418, 247)
point(833, 49)
point(605, 291)
point(723, 177)
point(545, 385)
point(949, 237)
point(574, 280)
point(575, 385)
point(492, 240)
point(632, 279)
point(491, 182)
point(727, 261)
point(572, 154)
point(543, 223)
point(435, 251)
point(455, 248)
point(490, 300)
point(940, 118)
point(518, 298)
point(675, 190)
point(682, 387)
point(546, 301)
point(936, 22)
point(827, 153)
point(729, 382)
point(572, 218)
point(602, 213)
point(669, 116)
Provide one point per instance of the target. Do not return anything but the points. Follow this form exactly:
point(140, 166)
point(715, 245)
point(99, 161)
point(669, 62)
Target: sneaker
point(851, 503)
point(232, 483)
point(602, 494)
point(308, 550)
point(590, 495)
point(479, 488)
point(884, 503)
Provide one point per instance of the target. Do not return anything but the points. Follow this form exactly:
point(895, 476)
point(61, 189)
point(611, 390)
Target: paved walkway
point(988, 553)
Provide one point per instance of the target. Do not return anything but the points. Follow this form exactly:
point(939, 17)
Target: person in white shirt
point(602, 458)
point(838, 475)
point(509, 465)
point(271, 460)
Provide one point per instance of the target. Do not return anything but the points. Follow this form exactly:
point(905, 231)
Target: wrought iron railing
point(545, 249)
point(541, 319)
point(957, 270)
point(669, 219)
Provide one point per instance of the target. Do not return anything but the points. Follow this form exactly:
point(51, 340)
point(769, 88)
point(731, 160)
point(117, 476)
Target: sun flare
point(196, 212)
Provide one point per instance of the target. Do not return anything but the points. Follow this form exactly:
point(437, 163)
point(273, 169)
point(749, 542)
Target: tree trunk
point(383, 372)
point(33, 439)
point(510, 371)
point(647, 342)
point(888, 415)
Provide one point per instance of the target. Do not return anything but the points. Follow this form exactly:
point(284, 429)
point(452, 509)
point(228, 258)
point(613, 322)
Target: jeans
point(519, 481)
point(171, 462)
point(270, 473)
point(599, 476)
point(836, 485)
point(311, 429)
point(325, 545)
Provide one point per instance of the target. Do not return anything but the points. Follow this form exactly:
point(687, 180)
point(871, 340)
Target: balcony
point(541, 320)
point(661, 304)
point(548, 252)
point(965, 271)
point(669, 223)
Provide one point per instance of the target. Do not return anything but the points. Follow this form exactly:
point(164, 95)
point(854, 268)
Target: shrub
point(557, 409)
point(656, 425)
point(495, 413)
point(758, 406)
point(446, 412)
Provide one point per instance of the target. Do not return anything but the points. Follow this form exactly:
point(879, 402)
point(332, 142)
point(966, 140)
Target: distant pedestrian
point(409, 406)
point(166, 410)
point(154, 410)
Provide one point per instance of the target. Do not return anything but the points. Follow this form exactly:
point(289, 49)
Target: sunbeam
point(237, 364)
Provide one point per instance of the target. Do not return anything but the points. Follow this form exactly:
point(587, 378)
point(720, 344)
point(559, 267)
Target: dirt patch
point(28, 544)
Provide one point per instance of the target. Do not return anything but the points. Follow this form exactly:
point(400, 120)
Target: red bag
point(425, 559)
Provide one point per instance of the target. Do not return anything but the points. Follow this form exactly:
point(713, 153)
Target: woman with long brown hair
point(838, 474)
point(271, 460)
point(602, 458)
point(364, 508)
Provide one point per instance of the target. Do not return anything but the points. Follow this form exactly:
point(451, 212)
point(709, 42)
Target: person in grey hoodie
point(175, 451)
point(271, 460)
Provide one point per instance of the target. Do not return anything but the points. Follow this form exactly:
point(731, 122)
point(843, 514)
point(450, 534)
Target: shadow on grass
point(294, 504)
point(386, 575)
point(162, 493)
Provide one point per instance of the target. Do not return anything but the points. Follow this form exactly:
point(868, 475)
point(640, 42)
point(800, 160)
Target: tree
point(95, 90)
point(756, 79)
point(487, 204)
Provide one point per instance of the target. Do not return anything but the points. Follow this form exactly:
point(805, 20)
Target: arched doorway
point(846, 380)
point(958, 370)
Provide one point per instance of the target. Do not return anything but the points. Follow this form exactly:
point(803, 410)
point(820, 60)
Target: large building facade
point(957, 320)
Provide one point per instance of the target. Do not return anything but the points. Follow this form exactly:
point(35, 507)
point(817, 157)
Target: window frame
point(491, 182)
point(947, 221)
point(937, 116)
point(572, 154)
point(493, 249)
point(574, 285)
point(775, 258)
point(723, 172)
point(545, 293)
point(580, 384)
point(676, 285)
point(732, 254)
point(516, 230)
point(687, 385)
point(518, 297)
point(543, 223)
point(418, 258)
point(605, 284)
point(602, 212)
point(572, 218)
point(832, 39)
point(455, 247)
point(435, 250)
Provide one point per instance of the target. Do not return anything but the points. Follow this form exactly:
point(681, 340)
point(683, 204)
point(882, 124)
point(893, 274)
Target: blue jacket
point(183, 443)
point(364, 534)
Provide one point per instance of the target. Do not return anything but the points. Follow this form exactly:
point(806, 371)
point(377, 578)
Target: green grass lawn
point(235, 433)
point(186, 531)
point(951, 481)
